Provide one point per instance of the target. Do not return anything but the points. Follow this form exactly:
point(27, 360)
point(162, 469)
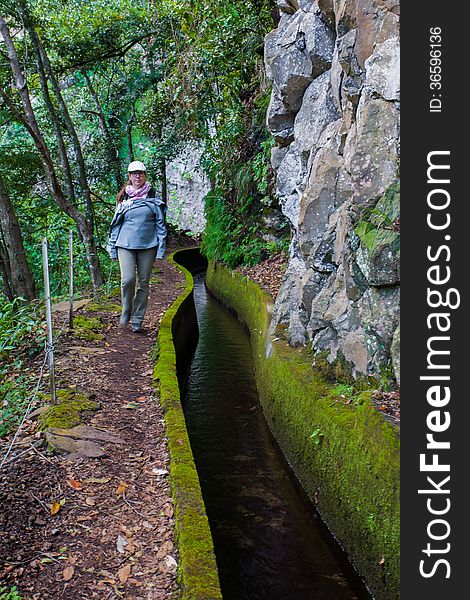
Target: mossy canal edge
point(197, 569)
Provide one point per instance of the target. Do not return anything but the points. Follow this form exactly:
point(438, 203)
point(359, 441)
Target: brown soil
point(97, 527)
point(268, 274)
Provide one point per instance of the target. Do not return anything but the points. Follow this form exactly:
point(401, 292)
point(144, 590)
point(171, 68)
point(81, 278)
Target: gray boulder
point(371, 149)
point(383, 70)
point(280, 120)
point(296, 54)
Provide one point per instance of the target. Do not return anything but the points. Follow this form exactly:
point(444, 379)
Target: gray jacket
point(137, 226)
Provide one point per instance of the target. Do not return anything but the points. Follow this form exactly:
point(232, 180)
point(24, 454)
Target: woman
point(137, 236)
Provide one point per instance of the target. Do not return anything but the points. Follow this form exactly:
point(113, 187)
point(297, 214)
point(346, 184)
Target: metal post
point(50, 341)
point(71, 279)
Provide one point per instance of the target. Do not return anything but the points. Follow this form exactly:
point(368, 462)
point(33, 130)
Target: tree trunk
point(92, 254)
point(28, 119)
point(164, 180)
point(61, 146)
point(113, 156)
point(130, 123)
point(15, 267)
point(4, 271)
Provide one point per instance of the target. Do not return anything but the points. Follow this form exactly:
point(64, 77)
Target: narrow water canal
point(269, 543)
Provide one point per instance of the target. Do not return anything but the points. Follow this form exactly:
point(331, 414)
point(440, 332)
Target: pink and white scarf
point(142, 192)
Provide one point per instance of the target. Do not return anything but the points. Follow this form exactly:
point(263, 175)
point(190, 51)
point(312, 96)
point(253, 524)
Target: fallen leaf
point(126, 531)
point(164, 549)
point(97, 480)
point(56, 506)
point(160, 471)
point(107, 574)
point(168, 565)
point(132, 405)
point(124, 573)
point(68, 572)
point(76, 485)
point(90, 501)
point(121, 488)
point(121, 544)
point(142, 399)
point(85, 517)
point(103, 581)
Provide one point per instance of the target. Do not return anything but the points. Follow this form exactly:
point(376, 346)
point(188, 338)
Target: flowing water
point(269, 542)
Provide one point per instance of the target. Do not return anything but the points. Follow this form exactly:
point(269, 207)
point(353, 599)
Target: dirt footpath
point(80, 525)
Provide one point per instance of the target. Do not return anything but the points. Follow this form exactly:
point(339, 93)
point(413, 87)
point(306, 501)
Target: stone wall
point(334, 113)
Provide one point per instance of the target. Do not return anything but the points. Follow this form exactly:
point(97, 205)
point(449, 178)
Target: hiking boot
point(136, 327)
point(123, 321)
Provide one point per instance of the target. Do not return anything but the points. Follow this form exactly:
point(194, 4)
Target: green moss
point(82, 322)
point(337, 370)
point(105, 306)
point(344, 449)
point(376, 227)
point(87, 328)
point(197, 568)
point(68, 411)
point(115, 291)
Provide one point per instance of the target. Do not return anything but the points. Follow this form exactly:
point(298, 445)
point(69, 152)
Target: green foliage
point(372, 236)
point(21, 336)
point(85, 31)
point(19, 163)
point(21, 331)
point(216, 87)
point(343, 390)
point(235, 231)
point(317, 436)
point(380, 226)
point(15, 389)
point(155, 75)
point(9, 593)
point(231, 236)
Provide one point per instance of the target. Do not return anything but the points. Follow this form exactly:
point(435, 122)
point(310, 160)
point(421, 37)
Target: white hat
point(136, 165)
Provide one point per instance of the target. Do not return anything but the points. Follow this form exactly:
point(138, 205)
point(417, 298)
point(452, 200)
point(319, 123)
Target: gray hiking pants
point(136, 267)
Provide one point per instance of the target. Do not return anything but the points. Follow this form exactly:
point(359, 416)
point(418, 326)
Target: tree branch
point(115, 53)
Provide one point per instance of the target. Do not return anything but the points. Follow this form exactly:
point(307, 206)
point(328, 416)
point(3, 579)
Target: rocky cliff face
point(187, 188)
point(334, 113)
